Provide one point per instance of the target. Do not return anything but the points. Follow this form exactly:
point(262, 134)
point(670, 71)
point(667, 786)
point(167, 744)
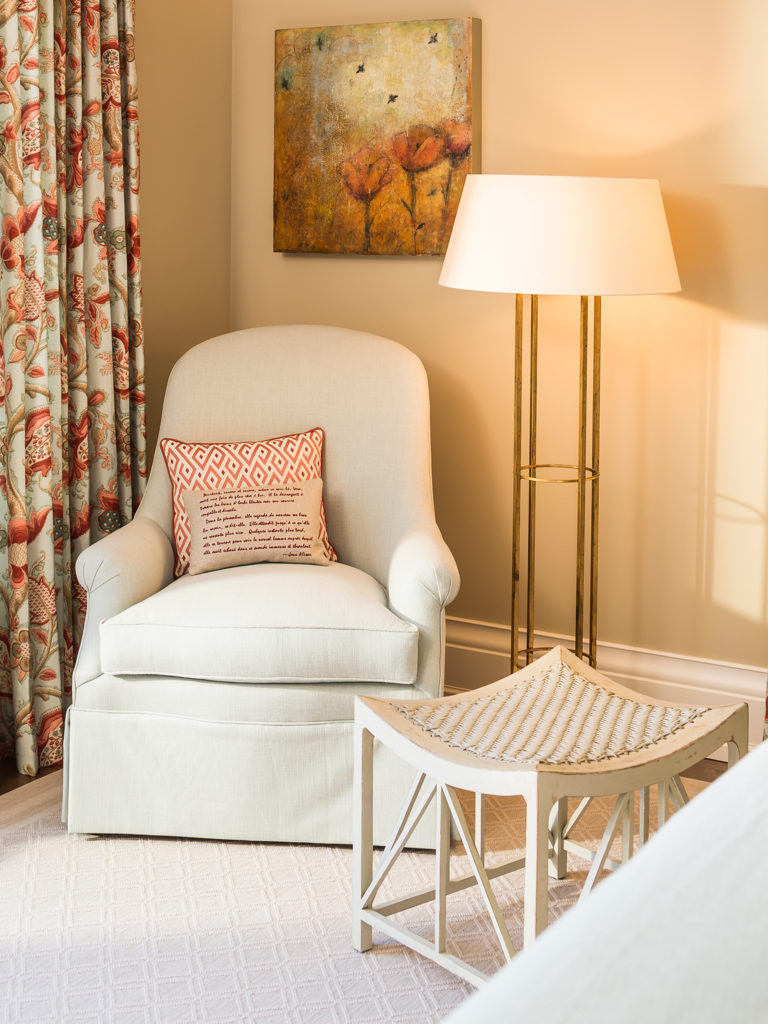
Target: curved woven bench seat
point(552, 715)
point(555, 729)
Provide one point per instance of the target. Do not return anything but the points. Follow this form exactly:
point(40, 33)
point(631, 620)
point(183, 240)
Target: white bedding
point(678, 935)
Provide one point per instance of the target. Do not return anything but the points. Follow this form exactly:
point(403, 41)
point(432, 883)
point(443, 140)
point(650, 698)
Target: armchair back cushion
point(268, 381)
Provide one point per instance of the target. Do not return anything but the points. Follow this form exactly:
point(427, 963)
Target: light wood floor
point(11, 780)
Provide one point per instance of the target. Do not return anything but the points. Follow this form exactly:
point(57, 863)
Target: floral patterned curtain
point(72, 437)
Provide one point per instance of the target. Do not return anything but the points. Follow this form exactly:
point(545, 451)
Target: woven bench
point(555, 729)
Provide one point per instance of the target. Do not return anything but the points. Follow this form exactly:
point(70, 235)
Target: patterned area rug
point(159, 931)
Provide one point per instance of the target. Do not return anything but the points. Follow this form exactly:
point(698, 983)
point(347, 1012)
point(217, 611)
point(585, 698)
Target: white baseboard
point(477, 653)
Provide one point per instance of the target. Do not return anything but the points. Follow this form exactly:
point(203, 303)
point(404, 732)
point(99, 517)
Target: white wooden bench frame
point(442, 770)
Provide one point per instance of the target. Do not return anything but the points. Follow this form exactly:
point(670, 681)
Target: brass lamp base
point(587, 477)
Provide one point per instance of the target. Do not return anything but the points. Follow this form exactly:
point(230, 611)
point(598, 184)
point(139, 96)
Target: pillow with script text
point(255, 524)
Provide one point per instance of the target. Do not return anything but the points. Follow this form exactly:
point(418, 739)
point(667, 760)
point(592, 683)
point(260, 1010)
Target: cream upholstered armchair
point(221, 704)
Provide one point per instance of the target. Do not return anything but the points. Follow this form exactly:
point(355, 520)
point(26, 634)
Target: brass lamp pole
point(587, 472)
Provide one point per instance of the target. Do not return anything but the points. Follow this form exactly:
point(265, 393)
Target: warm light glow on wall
point(737, 530)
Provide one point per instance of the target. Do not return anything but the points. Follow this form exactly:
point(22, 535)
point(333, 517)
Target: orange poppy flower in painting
point(457, 136)
point(417, 149)
point(364, 175)
point(366, 172)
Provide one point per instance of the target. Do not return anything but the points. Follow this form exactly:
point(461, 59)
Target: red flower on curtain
point(133, 245)
point(70, 339)
point(78, 447)
point(122, 358)
point(51, 224)
point(17, 552)
point(75, 236)
point(50, 735)
point(35, 523)
point(98, 218)
point(42, 601)
point(38, 442)
point(75, 136)
point(80, 523)
point(15, 226)
point(30, 134)
point(10, 244)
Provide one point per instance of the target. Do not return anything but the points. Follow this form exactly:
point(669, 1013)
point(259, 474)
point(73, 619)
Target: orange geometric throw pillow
point(200, 466)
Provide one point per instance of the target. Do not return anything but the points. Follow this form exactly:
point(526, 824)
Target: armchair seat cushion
point(265, 623)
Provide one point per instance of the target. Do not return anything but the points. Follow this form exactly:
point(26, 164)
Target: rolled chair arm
point(423, 579)
point(124, 568)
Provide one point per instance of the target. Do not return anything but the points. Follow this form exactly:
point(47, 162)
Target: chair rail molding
point(477, 653)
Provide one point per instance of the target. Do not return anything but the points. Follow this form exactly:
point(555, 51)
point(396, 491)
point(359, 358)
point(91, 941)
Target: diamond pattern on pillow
point(201, 466)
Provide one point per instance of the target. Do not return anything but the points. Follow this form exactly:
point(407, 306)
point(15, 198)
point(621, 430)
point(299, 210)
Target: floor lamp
point(534, 235)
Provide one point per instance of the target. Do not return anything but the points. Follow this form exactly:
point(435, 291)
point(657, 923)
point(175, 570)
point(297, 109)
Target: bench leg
point(663, 800)
point(736, 751)
point(536, 861)
point(558, 864)
point(442, 867)
point(480, 825)
point(362, 850)
point(645, 816)
point(628, 829)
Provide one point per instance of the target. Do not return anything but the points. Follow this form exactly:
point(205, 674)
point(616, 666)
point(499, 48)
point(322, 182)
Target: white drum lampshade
point(560, 236)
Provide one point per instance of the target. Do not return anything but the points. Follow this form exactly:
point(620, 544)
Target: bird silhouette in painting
point(392, 97)
point(360, 68)
point(432, 38)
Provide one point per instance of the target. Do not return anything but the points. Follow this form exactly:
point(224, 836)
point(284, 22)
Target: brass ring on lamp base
point(590, 473)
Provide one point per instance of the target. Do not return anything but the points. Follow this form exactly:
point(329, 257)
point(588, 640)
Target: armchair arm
point(422, 580)
point(120, 570)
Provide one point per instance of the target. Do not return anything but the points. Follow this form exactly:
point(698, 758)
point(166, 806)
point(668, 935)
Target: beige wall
point(675, 91)
point(183, 55)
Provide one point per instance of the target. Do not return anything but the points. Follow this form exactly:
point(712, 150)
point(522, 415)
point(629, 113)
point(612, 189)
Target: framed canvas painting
point(376, 127)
